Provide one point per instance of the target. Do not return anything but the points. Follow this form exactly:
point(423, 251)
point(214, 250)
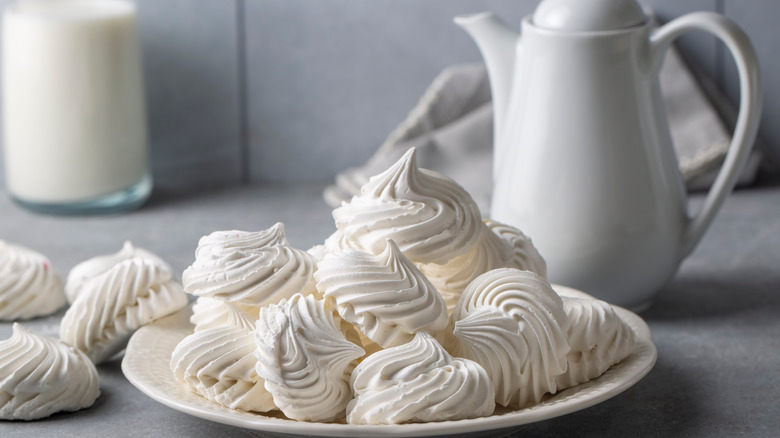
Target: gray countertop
point(716, 325)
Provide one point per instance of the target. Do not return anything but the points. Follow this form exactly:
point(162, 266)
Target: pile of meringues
point(414, 310)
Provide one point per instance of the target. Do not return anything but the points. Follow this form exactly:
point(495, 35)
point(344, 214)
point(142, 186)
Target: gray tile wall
point(269, 90)
point(759, 20)
point(328, 80)
point(191, 69)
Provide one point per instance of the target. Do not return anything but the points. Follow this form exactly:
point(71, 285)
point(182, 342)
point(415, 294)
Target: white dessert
point(385, 296)
point(429, 216)
point(305, 354)
point(248, 268)
point(435, 223)
point(94, 267)
point(40, 376)
point(111, 306)
point(513, 324)
point(29, 287)
point(211, 313)
point(599, 338)
point(219, 363)
point(417, 382)
point(490, 252)
point(454, 315)
point(219, 243)
point(336, 242)
point(525, 256)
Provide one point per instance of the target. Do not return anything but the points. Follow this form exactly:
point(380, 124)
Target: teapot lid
point(588, 15)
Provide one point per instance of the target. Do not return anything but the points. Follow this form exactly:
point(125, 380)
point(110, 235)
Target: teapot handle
point(749, 108)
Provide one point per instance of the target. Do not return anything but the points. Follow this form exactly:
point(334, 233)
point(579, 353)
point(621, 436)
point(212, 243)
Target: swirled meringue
point(252, 269)
point(29, 287)
point(429, 216)
point(221, 243)
point(599, 338)
point(385, 296)
point(525, 256)
point(110, 307)
point(305, 356)
point(219, 364)
point(490, 252)
point(417, 382)
point(40, 376)
point(513, 323)
point(94, 267)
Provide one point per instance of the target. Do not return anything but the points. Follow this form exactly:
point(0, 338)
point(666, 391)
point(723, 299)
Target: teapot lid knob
point(588, 15)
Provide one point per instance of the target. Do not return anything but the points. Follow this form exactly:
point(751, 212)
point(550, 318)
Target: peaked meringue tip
point(127, 247)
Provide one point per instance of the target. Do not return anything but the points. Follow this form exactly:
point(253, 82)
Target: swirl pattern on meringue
point(220, 243)
point(219, 364)
point(40, 376)
point(211, 313)
point(384, 295)
point(429, 216)
point(452, 278)
point(599, 338)
point(305, 354)
point(29, 287)
point(525, 256)
point(512, 323)
point(263, 271)
point(96, 266)
point(116, 303)
point(418, 382)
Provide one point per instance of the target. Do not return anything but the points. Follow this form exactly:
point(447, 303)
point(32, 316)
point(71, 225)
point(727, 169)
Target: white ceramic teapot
point(583, 157)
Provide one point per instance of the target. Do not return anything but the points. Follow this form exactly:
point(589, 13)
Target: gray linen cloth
point(452, 129)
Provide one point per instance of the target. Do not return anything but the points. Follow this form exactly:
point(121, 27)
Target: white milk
point(74, 112)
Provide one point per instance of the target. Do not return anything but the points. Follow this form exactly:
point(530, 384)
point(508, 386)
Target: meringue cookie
point(40, 376)
point(385, 296)
point(94, 267)
point(29, 287)
point(429, 216)
point(110, 307)
point(525, 256)
point(221, 243)
point(305, 355)
point(252, 269)
point(450, 279)
point(416, 382)
point(599, 338)
point(513, 324)
point(219, 364)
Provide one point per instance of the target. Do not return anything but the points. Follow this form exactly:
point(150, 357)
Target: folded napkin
point(452, 129)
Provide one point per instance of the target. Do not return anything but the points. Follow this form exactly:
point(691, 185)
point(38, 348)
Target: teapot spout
point(498, 44)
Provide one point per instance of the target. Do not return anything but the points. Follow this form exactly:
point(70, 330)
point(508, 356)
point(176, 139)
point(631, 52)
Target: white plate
point(146, 366)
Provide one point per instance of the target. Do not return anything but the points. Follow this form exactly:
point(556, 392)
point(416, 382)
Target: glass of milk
point(74, 109)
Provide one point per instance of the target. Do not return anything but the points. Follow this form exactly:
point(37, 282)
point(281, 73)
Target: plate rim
point(645, 352)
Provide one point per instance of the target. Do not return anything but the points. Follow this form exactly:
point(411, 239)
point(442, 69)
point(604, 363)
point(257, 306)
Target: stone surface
point(717, 325)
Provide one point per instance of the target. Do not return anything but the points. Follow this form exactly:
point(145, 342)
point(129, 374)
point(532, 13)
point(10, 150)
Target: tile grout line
point(243, 104)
